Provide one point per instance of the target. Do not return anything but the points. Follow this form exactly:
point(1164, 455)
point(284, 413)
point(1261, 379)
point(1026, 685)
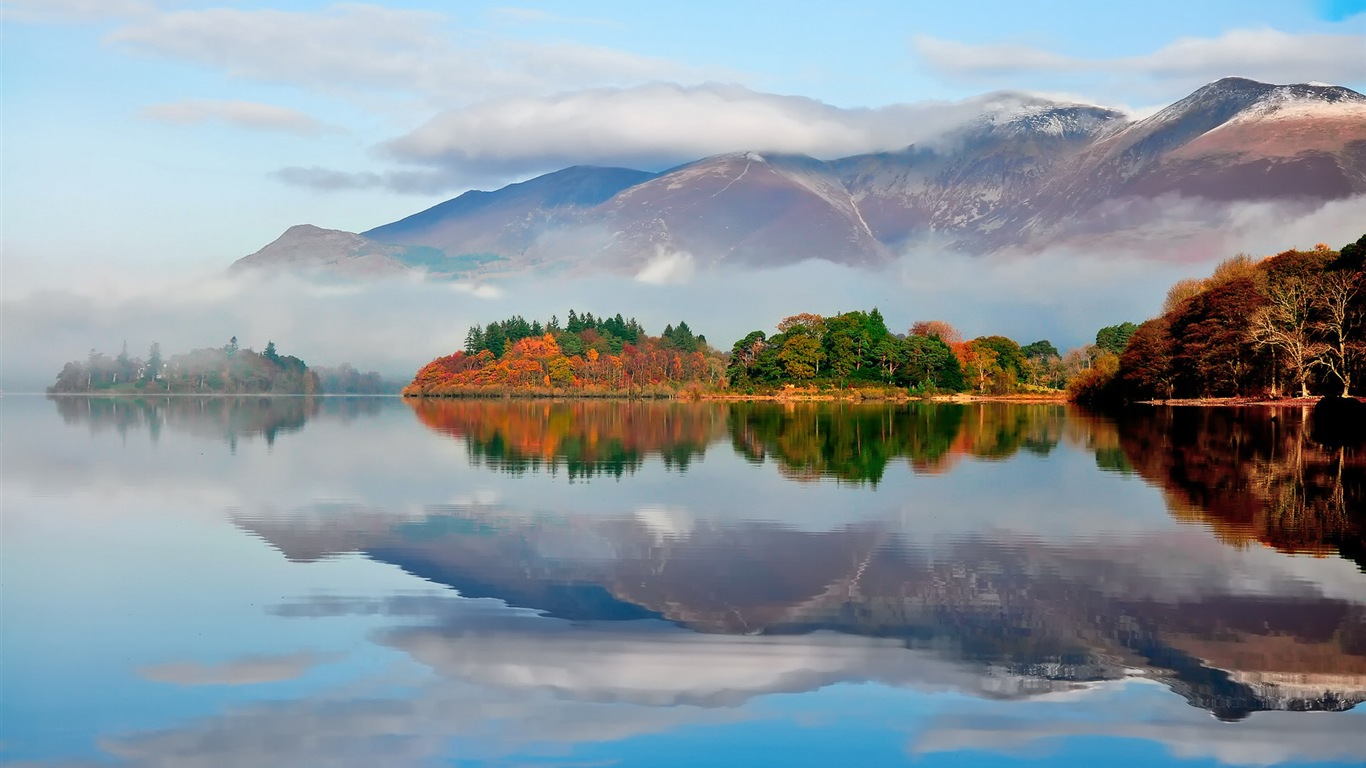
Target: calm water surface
point(370, 582)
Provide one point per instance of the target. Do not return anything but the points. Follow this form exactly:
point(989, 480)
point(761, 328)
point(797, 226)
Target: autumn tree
point(1145, 368)
point(937, 329)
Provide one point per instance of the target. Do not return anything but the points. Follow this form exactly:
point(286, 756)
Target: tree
point(1214, 355)
point(1009, 360)
point(812, 325)
point(801, 355)
point(1180, 293)
point(979, 364)
point(743, 354)
point(1145, 368)
point(474, 340)
point(154, 363)
point(231, 346)
point(1113, 338)
point(1284, 327)
point(1335, 301)
point(937, 329)
point(270, 353)
point(1041, 349)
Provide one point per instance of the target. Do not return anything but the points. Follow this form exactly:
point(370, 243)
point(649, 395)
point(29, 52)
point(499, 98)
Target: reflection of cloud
point(657, 666)
point(249, 670)
point(437, 721)
point(1127, 711)
point(667, 522)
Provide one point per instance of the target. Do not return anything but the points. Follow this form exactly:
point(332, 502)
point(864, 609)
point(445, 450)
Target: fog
point(1061, 293)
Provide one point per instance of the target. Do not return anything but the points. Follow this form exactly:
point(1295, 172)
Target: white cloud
point(244, 114)
point(1262, 54)
point(74, 10)
point(348, 47)
point(658, 124)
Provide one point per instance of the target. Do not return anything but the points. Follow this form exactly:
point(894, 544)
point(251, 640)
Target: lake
point(376, 582)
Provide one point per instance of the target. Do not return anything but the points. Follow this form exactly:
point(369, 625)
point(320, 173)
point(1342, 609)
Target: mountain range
point(1034, 173)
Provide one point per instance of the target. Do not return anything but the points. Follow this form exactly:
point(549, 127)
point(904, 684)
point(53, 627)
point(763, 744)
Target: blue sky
point(174, 136)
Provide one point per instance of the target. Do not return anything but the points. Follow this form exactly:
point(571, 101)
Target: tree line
point(226, 369)
point(586, 355)
point(1289, 325)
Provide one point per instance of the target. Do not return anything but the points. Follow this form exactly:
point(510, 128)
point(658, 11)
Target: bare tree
point(1334, 300)
point(1286, 324)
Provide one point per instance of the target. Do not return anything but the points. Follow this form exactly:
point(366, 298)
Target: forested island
point(1288, 325)
point(847, 352)
point(229, 369)
point(586, 356)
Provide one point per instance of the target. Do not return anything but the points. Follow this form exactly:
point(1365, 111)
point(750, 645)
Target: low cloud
point(251, 670)
point(1261, 54)
point(661, 124)
point(407, 182)
point(667, 267)
point(242, 114)
point(1062, 291)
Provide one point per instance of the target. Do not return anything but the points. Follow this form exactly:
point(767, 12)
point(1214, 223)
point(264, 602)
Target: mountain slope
point(509, 220)
point(742, 207)
point(1034, 174)
point(305, 247)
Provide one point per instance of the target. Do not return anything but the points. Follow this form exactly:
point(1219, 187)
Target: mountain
point(510, 220)
point(1235, 139)
point(742, 207)
point(1035, 174)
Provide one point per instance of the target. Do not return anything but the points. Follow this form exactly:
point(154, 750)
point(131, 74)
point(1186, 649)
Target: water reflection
point(1254, 476)
point(225, 418)
point(587, 438)
point(1023, 617)
point(1017, 557)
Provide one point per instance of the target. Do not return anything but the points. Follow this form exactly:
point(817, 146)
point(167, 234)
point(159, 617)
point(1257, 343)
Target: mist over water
point(1062, 293)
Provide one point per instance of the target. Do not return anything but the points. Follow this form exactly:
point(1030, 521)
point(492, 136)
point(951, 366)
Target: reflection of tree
point(225, 418)
point(1253, 475)
point(587, 438)
point(855, 442)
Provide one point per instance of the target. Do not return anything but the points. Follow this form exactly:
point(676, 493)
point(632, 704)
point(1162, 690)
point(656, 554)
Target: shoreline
point(1231, 402)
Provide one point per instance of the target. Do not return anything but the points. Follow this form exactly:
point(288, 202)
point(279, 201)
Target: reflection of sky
point(140, 623)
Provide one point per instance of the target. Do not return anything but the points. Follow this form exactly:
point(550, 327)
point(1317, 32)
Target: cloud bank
point(350, 47)
point(661, 124)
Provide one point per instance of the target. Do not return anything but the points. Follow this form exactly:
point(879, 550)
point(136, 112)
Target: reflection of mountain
point(1254, 476)
point(585, 437)
point(1056, 615)
point(221, 418)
